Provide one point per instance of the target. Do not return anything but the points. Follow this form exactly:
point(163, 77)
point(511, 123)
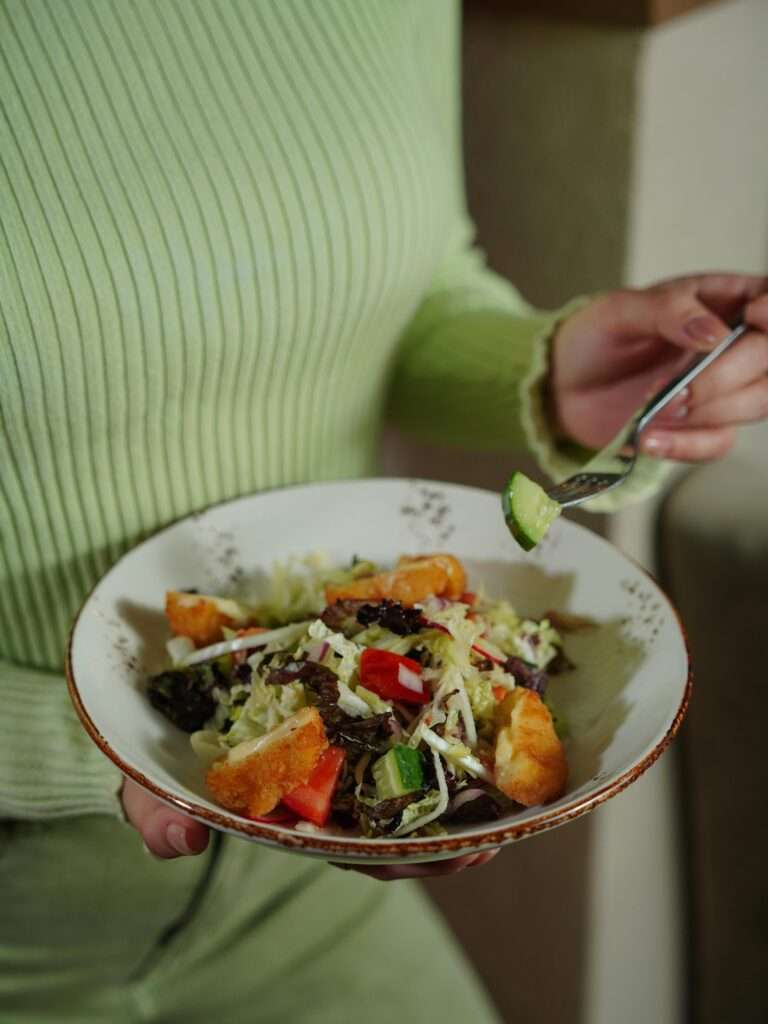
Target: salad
point(381, 703)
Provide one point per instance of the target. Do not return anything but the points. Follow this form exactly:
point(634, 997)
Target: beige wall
point(699, 196)
point(598, 156)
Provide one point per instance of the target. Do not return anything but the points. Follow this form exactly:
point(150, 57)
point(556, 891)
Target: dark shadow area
point(151, 627)
point(592, 696)
point(529, 589)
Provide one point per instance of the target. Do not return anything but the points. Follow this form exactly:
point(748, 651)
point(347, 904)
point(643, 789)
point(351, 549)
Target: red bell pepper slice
point(393, 676)
point(312, 801)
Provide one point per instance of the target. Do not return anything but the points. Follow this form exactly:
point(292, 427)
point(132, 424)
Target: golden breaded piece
point(530, 761)
point(201, 617)
point(256, 774)
point(451, 566)
point(412, 581)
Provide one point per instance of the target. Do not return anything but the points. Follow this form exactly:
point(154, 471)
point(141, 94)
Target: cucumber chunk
point(398, 772)
point(527, 510)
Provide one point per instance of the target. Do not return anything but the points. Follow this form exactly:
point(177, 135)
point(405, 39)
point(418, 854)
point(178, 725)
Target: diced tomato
point(393, 676)
point(468, 597)
point(313, 800)
point(500, 692)
point(238, 657)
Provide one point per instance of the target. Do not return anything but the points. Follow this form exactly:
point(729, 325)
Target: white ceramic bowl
point(624, 702)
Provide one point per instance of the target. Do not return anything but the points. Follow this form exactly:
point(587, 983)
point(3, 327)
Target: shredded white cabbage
point(179, 648)
point(347, 650)
point(208, 744)
point(465, 708)
point(283, 636)
point(536, 642)
point(267, 707)
point(454, 752)
point(374, 701)
point(409, 824)
point(480, 693)
point(351, 704)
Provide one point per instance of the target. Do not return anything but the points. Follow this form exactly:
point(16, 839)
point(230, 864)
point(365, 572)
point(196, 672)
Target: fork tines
point(583, 485)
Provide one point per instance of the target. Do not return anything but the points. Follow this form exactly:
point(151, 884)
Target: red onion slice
point(464, 796)
point(488, 650)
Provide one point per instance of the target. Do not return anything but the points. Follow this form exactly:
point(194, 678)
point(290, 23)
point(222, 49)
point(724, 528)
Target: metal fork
point(611, 466)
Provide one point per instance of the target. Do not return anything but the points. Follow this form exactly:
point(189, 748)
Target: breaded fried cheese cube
point(414, 580)
point(256, 774)
point(202, 617)
point(530, 766)
point(455, 576)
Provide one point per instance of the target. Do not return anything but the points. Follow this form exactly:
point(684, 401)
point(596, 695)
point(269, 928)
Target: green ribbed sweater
point(232, 235)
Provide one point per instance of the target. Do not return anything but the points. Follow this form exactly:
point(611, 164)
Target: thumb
point(166, 833)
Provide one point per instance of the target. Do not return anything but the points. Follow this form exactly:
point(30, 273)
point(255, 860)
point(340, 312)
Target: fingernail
point(177, 838)
point(674, 413)
point(703, 330)
point(656, 445)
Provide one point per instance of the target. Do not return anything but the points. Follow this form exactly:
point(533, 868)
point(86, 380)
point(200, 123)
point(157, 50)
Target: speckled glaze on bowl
point(624, 702)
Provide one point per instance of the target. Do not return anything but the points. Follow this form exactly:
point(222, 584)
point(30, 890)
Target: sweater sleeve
point(472, 370)
point(49, 766)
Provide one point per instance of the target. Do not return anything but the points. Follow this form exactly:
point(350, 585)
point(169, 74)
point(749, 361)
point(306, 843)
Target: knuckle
point(703, 390)
point(679, 298)
point(671, 287)
point(672, 447)
point(614, 301)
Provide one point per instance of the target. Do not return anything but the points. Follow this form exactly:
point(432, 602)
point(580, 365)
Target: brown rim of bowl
point(367, 850)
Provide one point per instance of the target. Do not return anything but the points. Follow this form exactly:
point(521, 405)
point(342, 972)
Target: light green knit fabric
point(232, 235)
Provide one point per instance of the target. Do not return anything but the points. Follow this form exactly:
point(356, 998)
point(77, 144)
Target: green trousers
point(94, 929)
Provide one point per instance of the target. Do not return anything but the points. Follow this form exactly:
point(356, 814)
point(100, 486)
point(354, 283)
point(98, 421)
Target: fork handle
point(662, 398)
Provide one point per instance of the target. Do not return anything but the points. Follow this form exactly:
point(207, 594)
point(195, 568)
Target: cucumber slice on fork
point(528, 511)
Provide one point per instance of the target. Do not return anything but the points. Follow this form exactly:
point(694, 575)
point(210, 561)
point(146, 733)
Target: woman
point(233, 237)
